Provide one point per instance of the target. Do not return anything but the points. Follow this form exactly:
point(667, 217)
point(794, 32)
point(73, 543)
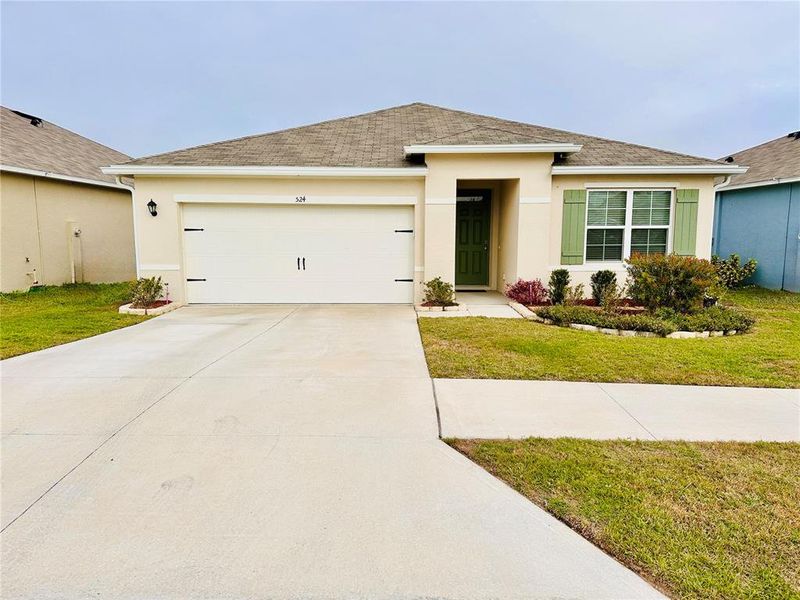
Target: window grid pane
point(650, 207)
point(649, 241)
point(604, 244)
point(606, 208)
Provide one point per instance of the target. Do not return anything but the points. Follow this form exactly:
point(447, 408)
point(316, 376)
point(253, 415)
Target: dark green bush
point(670, 281)
point(730, 270)
point(557, 286)
point(601, 281)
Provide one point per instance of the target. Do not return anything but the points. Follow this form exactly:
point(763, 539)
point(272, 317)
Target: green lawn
point(53, 315)
point(699, 520)
point(768, 356)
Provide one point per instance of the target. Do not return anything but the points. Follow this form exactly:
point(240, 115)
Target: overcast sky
point(147, 77)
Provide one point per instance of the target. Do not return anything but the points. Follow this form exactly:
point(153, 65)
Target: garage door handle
point(298, 263)
point(304, 263)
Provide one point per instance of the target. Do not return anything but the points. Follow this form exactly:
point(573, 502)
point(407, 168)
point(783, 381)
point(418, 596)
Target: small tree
point(439, 292)
point(670, 281)
point(557, 286)
point(146, 291)
point(600, 281)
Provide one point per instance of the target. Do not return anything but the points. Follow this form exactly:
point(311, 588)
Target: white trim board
point(650, 170)
point(160, 267)
point(265, 171)
point(490, 148)
point(650, 185)
point(440, 201)
point(299, 200)
point(754, 184)
point(69, 178)
point(535, 200)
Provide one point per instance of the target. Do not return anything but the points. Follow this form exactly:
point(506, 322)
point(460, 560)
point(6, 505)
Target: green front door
point(473, 208)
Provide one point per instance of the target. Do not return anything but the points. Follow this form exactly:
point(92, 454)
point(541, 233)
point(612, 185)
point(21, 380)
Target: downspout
point(130, 188)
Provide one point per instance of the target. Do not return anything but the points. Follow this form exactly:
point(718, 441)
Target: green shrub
point(557, 286)
point(564, 315)
point(439, 292)
point(574, 294)
point(730, 270)
point(146, 291)
point(670, 281)
point(662, 322)
point(714, 318)
point(601, 281)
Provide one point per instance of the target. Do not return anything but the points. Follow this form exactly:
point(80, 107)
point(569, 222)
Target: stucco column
point(534, 230)
point(440, 240)
point(440, 227)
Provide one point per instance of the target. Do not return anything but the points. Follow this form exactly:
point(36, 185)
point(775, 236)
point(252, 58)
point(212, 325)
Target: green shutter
point(684, 240)
point(573, 227)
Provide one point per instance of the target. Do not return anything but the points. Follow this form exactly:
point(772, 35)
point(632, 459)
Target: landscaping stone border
point(458, 307)
point(527, 313)
point(126, 309)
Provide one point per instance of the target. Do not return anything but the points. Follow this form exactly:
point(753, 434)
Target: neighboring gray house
point(757, 213)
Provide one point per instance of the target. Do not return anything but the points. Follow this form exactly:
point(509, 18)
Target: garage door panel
point(248, 253)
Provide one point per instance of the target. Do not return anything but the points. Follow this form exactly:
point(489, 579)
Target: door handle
point(485, 245)
point(304, 263)
point(298, 263)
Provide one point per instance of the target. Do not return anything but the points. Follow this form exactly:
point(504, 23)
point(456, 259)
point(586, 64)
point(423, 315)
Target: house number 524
point(299, 198)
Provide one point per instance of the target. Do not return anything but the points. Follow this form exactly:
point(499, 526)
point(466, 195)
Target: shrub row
point(662, 322)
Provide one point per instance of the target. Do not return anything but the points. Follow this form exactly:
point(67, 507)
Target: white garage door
point(246, 253)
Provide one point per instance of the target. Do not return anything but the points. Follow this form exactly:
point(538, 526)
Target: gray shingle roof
point(376, 139)
point(53, 149)
point(776, 159)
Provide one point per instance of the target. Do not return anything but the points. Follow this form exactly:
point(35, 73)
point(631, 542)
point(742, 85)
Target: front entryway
point(473, 214)
point(279, 253)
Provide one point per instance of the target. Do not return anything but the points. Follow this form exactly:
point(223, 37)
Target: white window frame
point(628, 227)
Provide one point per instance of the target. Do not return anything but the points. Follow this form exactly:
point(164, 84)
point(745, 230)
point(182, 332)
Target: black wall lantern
point(151, 206)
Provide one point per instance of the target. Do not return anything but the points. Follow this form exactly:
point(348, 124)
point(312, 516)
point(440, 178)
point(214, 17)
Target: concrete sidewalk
point(485, 408)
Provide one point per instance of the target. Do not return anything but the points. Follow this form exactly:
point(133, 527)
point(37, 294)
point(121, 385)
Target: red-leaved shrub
point(527, 292)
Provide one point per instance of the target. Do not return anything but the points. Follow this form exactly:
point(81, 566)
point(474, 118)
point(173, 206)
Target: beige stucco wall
point(526, 212)
point(582, 273)
point(37, 220)
point(161, 238)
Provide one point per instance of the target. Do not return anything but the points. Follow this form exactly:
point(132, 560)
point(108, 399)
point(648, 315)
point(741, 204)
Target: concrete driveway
point(262, 452)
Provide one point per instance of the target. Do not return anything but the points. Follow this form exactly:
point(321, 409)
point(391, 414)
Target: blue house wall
point(762, 223)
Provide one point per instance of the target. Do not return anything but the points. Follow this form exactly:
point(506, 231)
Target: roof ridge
point(69, 131)
point(286, 130)
point(465, 112)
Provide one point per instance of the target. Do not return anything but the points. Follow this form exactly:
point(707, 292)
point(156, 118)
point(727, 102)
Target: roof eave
point(490, 148)
point(61, 177)
point(264, 171)
point(753, 184)
point(649, 170)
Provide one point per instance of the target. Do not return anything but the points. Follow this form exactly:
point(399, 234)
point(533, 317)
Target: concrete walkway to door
point(262, 452)
point(487, 408)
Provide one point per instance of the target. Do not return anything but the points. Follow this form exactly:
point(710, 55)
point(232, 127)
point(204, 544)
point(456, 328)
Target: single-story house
point(367, 208)
point(62, 219)
point(758, 213)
